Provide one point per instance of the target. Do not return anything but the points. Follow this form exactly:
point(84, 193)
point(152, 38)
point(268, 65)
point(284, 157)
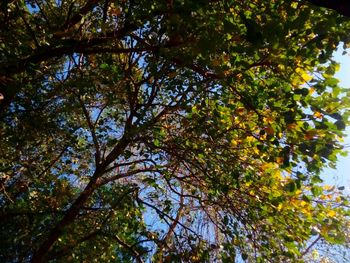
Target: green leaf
point(340, 125)
point(244, 256)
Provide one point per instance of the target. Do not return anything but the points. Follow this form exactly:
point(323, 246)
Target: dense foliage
point(169, 131)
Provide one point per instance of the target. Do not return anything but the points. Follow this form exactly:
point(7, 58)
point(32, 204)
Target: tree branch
point(130, 248)
point(307, 250)
point(89, 6)
point(92, 131)
point(123, 175)
point(160, 212)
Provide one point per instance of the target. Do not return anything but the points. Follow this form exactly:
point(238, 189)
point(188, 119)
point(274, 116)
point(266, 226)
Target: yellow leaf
point(303, 203)
point(256, 150)
point(306, 77)
point(336, 67)
point(318, 115)
point(331, 213)
point(250, 139)
point(277, 174)
point(296, 81)
point(294, 5)
point(234, 142)
point(240, 110)
point(279, 207)
point(279, 160)
point(328, 187)
point(281, 67)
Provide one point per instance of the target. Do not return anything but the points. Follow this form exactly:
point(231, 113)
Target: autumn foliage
point(170, 131)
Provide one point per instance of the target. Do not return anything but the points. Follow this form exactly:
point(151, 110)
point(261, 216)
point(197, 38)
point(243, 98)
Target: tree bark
point(57, 231)
point(40, 255)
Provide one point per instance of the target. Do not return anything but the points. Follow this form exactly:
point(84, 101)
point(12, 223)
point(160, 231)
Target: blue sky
point(341, 176)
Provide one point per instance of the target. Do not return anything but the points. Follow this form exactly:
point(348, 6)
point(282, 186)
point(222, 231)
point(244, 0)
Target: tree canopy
point(341, 6)
point(170, 131)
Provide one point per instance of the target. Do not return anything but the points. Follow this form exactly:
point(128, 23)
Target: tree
point(171, 131)
point(341, 6)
